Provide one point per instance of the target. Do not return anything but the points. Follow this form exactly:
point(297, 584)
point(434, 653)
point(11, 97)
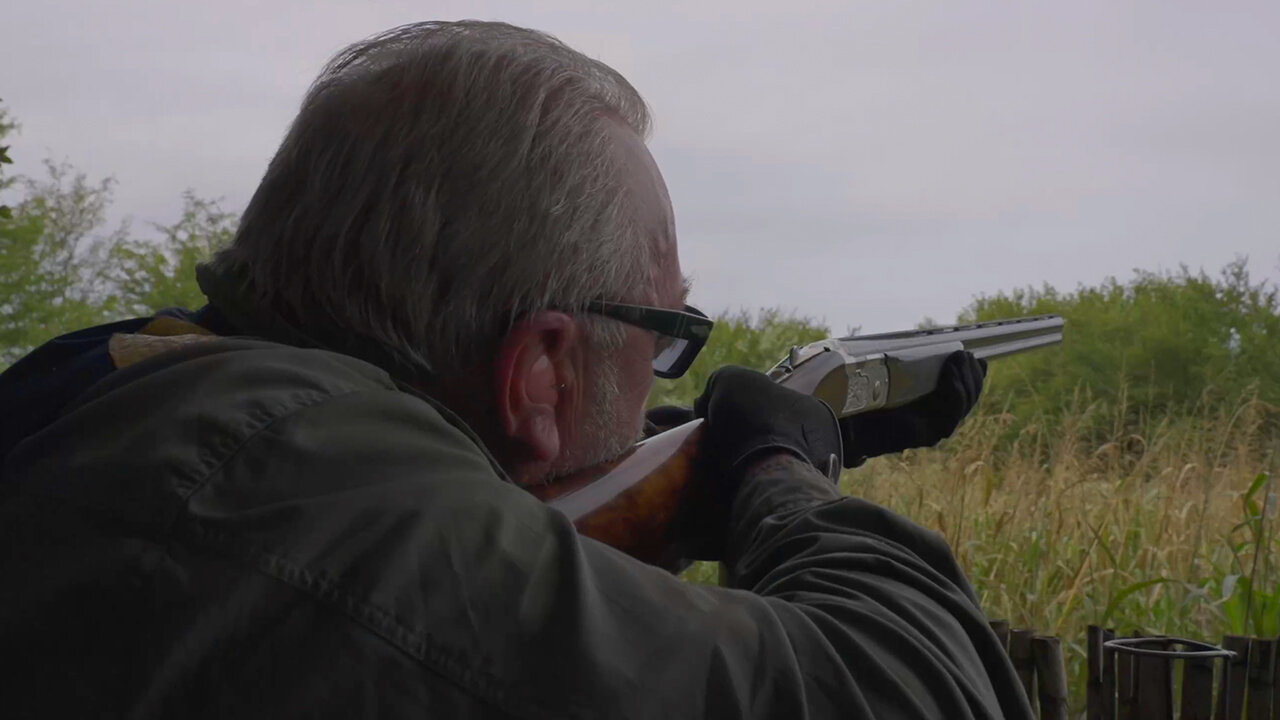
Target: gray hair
point(441, 180)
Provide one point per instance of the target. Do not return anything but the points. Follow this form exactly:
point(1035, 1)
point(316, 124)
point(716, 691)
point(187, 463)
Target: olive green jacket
point(239, 528)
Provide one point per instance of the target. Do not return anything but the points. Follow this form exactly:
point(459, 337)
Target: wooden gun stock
point(636, 503)
point(639, 502)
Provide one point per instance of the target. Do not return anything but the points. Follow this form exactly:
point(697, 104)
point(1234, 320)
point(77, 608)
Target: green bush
point(1160, 344)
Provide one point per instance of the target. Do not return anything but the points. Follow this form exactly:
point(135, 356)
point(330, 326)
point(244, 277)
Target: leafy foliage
point(51, 253)
point(1160, 343)
point(7, 127)
point(62, 268)
point(148, 275)
point(756, 342)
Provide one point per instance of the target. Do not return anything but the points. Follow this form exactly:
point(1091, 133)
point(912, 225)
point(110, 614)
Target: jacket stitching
point(482, 686)
point(418, 645)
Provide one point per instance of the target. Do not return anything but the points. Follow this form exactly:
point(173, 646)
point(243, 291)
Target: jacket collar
point(230, 296)
point(229, 292)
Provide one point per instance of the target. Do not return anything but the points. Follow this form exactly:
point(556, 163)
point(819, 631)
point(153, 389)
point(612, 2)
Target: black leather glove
point(748, 414)
point(922, 423)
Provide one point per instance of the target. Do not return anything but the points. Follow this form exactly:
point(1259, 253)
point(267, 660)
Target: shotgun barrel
point(872, 372)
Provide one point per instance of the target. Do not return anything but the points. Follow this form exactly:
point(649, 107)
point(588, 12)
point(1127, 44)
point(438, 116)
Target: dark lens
point(661, 343)
point(667, 352)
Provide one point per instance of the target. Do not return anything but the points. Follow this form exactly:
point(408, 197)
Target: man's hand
point(748, 418)
point(748, 415)
point(922, 423)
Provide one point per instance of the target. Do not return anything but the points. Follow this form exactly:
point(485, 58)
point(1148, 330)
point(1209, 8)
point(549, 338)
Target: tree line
point(62, 267)
point(1157, 342)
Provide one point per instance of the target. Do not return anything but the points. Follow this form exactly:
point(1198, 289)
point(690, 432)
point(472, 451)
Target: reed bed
point(1100, 514)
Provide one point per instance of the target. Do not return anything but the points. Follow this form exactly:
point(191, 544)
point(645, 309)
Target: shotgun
point(634, 502)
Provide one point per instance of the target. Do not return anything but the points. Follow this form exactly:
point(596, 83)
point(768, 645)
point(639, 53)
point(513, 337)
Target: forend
point(870, 372)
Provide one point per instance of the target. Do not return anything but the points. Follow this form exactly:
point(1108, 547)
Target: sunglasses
point(681, 333)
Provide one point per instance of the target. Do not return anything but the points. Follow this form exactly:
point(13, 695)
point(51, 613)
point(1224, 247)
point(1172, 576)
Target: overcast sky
point(864, 163)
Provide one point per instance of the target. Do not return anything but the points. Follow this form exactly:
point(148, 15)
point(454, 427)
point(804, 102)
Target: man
point(306, 498)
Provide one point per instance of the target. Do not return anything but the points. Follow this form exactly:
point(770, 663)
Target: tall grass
point(1103, 515)
point(1126, 478)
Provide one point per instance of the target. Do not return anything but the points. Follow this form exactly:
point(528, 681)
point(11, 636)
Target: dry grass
point(1155, 524)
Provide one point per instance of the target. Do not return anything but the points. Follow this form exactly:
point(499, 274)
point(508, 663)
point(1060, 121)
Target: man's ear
point(537, 383)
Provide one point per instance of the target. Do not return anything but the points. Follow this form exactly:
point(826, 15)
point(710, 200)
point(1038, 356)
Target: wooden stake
point(1197, 689)
point(1051, 676)
point(1154, 685)
point(1232, 684)
point(1001, 629)
point(1261, 680)
point(1093, 683)
point(1024, 663)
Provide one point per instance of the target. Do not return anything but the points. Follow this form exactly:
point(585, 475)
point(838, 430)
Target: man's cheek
point(643, 387)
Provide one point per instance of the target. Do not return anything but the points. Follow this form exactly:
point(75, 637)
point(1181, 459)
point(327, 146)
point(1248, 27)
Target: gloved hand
point(748, 414)
point(922, 423)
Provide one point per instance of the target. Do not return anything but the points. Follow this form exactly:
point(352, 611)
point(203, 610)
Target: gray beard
point(604, 434)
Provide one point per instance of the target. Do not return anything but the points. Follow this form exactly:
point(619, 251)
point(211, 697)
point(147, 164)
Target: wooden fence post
point(1275, 682)
point(1231, 686)
point(1197, 689)
point(1024, 663)
point(1001, 629)
point(1126, 686)
point(1051, 677)
point(1261, 680)
point(1108, 676)
point(1154, 684)
point(1093, 683)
